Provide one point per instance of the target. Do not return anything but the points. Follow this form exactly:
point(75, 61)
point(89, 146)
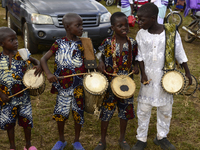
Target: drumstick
point(146, 82)
point(116, 74)
point(19, 92)
point(62, 77)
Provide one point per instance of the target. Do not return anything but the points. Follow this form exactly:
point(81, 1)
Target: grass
point(185, 124)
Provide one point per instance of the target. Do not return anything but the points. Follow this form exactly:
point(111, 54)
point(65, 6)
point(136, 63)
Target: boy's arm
point(187, 72)
point(143, 74)
point(4, 97)
point(43, 63)
point(37, 66)
point(135, 68)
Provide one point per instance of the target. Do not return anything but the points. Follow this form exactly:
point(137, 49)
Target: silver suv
point(41, 20)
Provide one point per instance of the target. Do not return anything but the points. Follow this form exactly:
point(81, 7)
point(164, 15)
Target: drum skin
point(123, 86)
point(173, 82)
point(36, 83)
point(95, 86)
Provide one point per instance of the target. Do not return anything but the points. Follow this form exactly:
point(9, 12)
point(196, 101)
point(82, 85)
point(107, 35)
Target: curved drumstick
point(62, 77)
point(18, 92)
point(146, 82)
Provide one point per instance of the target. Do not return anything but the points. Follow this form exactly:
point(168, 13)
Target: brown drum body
point(95, 86)
point(173, 82)
point(123, 86)
point(36, 83)
point(190, 89)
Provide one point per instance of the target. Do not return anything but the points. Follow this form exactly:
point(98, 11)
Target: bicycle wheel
point(190, 38)
point(175, 18)
point(109, 2)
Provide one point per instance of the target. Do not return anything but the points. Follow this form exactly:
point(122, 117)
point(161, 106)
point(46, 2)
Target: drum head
point(96, 83)
point(173, 82)
point(32, 81)
point(123, 86)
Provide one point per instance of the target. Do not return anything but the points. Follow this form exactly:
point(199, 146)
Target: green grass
point(185, 124)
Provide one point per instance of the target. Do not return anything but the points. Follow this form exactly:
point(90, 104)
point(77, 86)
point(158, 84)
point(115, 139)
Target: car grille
point(88, 20)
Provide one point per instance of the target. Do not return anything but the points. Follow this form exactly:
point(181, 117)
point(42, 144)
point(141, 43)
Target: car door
point(14, 10)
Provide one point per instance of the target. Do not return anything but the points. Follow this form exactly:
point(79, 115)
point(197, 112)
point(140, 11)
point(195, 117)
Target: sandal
point(77, 146)
point(59, 145)
point(100, 146)
point(31, 148)
point(124, 145)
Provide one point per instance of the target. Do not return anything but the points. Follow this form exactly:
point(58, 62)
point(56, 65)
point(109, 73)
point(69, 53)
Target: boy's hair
point(67, 18)
point(116, 15)
point(4, 32)
point(149, 9)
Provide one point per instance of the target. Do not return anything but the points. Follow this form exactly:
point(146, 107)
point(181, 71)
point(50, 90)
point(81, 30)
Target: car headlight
point(105, 17)
point(41, 19)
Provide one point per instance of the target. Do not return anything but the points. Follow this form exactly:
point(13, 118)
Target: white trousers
point(164, 114)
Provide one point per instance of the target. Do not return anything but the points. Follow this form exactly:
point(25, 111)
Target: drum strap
point(170, 34)
point(89, 61)
point(113, 50)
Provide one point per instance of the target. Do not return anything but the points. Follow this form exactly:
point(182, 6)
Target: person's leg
point(104, 127)
point(164, 115)
point(61, 125)
point(77, 131)
point(27, 132)
point(11, 137)
point(116, 2)
point(123, 125)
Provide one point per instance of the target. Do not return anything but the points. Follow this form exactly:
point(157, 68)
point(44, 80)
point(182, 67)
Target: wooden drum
point(95, 86)
point(123, 86)
point(173, 82)
point(36, 84)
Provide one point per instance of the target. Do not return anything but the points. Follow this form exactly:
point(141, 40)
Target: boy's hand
point(4, 97)
point(52, 78)
point(188, 75)
point(101, 66)
point(136, 70)
point(38, 70)
point(144, 79)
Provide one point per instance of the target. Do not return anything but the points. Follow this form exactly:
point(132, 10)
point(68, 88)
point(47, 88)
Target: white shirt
point(151, 50)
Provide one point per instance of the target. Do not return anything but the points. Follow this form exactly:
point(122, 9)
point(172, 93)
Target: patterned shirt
point(121, 60)
point(11, 78)
point(69, 57)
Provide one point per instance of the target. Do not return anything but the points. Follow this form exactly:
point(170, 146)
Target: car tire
point(188, 37)
point(11, 24)
point(32, 47)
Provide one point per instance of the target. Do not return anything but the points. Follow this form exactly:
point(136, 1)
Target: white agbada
point(151, 50)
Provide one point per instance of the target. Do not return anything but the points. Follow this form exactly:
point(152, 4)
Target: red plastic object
point(131, 21)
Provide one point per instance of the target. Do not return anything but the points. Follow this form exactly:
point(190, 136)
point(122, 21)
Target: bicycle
point(174, 17)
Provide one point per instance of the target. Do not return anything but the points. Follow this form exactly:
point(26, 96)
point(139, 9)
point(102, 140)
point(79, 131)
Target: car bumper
point(51, 33)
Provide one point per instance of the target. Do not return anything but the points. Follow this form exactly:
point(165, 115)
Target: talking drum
point(123, 86)
point(190, 89)
point(173, 82)
point(95, 86)
point(36, 84)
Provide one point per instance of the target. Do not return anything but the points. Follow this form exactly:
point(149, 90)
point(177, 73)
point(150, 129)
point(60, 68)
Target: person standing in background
point(162, 6)
point(127, 7)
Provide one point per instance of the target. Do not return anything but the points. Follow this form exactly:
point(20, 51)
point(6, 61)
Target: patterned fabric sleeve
point(103, 45)
point(134, 45)
point(54, 47)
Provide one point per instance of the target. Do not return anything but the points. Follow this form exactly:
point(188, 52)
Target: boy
point(12, 70)
point(118, 56)
point(69, 56)
point(151, 56)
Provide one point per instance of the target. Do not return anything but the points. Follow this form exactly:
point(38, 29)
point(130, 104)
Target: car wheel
point(32, 47)
point(11, 24)
point(189, 37)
